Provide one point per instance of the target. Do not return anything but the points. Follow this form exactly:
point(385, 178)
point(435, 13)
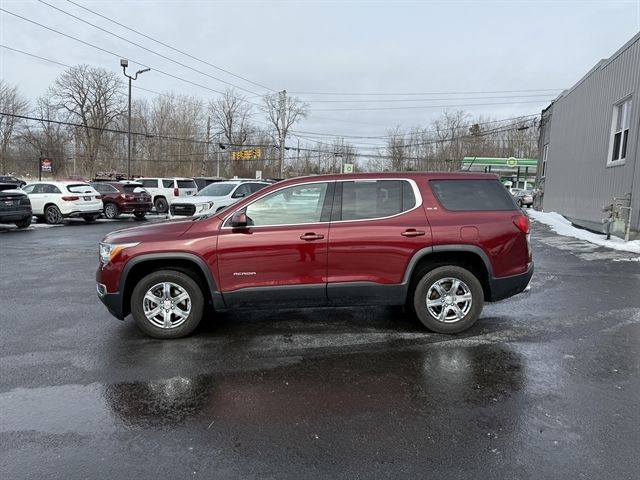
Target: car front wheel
point(167, 304)
point(448, 299)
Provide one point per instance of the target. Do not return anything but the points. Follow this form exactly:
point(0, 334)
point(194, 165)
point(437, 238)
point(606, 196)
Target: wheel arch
point(471, 257)
point(187, 263)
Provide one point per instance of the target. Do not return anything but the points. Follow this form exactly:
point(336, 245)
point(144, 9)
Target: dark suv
point(440, 243)
point(123, 197)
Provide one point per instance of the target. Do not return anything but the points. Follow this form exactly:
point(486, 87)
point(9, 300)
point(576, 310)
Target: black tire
point(52, 215)
point(439, 277)
point(39, 218)
point(91, 218)
point(180, 280)
point(24, 223)
point(139, 215)
point(161, 204)
point(111, 211)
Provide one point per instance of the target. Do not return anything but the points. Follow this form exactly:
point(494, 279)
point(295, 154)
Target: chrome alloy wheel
point(167, 305)
point(449, 300)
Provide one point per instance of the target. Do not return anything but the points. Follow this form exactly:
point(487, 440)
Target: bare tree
point(231, 114)
point(92, 97)
point(11, 103)
point(282, 113)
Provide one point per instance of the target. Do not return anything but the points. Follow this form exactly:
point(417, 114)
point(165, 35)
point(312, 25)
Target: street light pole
point(124, 63)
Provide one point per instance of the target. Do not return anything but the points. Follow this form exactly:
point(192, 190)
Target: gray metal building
point(589, 148)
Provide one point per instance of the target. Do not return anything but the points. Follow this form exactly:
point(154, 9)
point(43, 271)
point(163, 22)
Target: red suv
point(440, 243)
point(123, 197)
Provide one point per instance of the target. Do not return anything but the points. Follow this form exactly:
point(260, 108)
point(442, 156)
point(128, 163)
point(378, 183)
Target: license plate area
point(87, 199)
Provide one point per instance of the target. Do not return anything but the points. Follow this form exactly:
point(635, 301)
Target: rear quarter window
point(149, 183)
point(187, 184)
point(472, 195)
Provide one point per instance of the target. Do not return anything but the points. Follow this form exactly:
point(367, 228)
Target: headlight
point(203, 207)
point(108, 251)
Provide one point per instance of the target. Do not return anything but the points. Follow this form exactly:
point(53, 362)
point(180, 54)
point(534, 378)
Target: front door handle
point(311, 236)
point(412, 232)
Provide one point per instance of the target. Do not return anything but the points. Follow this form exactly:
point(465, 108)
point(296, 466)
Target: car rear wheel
point(24, 223)
point(167, 304)
point(161, 204)
point(52, 215)
point(111, 211)
point(448, 299)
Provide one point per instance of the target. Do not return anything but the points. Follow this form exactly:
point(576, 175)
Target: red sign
point(46, 165)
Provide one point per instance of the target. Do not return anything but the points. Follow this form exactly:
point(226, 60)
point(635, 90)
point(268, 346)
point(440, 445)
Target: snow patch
point(563, 227)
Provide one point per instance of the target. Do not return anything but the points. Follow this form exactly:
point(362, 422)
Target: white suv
point(54, 201)
point(215, 197)
point(164, 190)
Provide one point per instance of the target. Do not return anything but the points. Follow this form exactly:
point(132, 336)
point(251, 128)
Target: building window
point(545, 153)
point(620, 131)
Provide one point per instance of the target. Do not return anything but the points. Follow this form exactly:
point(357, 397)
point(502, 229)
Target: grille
point(183, 209)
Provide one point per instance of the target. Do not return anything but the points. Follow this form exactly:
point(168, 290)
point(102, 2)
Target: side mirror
point(237, 195)
point(239, 220)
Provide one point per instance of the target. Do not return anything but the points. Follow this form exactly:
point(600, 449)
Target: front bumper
point(113, 301)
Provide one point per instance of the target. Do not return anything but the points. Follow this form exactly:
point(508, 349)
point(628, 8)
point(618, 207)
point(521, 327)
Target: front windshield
point(216, 190)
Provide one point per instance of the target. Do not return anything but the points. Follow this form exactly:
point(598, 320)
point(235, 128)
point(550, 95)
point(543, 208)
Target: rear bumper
point(135, 207)
point(506, 287)
point(15, 215)
point(113, 301)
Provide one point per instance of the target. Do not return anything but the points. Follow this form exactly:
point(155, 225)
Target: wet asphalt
point(546, 385)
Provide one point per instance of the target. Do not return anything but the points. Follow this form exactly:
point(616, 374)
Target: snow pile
point(562, 226)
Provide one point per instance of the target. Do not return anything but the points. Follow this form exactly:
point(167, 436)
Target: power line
point(398, 94)
point(145, 48)
point(156, 70)
point(170, 47)
point(420, 107)
point(399, 100)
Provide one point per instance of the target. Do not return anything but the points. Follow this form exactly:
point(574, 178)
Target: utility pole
point(206, 157)
point(283, 126)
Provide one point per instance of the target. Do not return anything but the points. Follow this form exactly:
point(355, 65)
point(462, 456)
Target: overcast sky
point(333, 47)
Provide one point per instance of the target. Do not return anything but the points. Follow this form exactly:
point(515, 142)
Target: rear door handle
point(412, 232)
point(311, 236)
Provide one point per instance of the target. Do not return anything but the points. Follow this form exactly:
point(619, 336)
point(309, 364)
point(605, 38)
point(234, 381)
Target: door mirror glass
point(239, 219)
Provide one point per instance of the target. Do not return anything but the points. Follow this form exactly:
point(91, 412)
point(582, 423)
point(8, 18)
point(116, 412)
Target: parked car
point(15, 206)
point(123, 197)
point(202, 182)
point(164, 190)
point(215, 197)
point(54, 201)
point(440, 243)
point(524, 198)
point(12, 180)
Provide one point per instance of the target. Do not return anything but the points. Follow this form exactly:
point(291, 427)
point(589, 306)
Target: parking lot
point(546, 385)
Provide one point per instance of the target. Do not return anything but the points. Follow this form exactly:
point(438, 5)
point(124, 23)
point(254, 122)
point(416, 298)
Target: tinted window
point(187, 184)
point(149, 183)
point(132, 188)
point(167, 183)
point(241, 191)
point(104, 188)
point(293, 205)
point(80, 188)
point(28, 188)
point(254, 187)
point(48, 188)
point(459, 195)
point(217, 190)
point(376, 199)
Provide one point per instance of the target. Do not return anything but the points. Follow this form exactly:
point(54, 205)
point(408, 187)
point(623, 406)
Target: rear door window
point(362, 200)
point(472, 195)
point(167, 183)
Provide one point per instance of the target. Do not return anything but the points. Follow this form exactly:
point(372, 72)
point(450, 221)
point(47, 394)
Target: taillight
point(176, 192)
point(129, 197)
point(70, 199)
point(98, 197)
point(522, 222)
